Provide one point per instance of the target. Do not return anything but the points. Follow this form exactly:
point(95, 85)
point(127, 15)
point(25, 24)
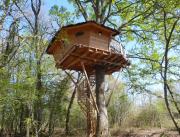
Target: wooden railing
point(116, 47)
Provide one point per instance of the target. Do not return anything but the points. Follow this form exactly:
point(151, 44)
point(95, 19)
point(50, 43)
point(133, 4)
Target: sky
point(49, 3)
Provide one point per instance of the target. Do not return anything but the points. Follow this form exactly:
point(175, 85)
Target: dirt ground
point(128, 133)
point(147, 133)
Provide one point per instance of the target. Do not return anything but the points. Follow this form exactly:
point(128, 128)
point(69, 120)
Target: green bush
point(147, 117)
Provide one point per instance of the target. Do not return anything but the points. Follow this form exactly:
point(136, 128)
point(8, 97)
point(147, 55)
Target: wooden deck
point(91, 57)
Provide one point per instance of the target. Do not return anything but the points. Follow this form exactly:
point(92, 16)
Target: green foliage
point(148, 117)
point(61, 15)
point(78, 119)
point(117, 109)
point(138, 21)
point(57, 100)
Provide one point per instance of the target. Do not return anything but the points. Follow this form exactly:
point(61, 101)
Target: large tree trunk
point(102, 117)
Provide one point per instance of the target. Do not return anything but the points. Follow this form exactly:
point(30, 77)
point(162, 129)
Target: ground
point(147, 133)
point(127, 133)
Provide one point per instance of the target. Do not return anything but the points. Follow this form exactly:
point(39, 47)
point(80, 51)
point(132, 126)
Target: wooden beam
point(75, 61)
point(114, 85)
point(66, 55)
point(98, 50)
point(90, 56)
point(97, 60)
point(84, 110)
point(89, 87)
point(77, 85)
point(113, 58)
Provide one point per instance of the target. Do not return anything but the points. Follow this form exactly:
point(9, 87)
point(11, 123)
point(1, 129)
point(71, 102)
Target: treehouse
point(90, 43)
point(90, 48)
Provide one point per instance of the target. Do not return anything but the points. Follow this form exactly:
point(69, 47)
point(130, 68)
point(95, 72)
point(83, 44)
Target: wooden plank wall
point(81, 39)
point(71, 39)
point(90, 37)
point(100, 41)
point(60, 50)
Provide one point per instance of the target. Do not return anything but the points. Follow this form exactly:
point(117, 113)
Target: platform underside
point(91, 57)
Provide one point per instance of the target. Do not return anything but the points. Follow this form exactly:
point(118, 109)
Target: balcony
point(116, 47)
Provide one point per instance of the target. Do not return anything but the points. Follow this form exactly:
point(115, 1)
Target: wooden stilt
point(76, 84)
point(115, 84)
point(89, 86)
point(92, 110)
point(86, 101)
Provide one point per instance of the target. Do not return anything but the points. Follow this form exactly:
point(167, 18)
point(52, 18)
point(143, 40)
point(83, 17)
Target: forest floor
point(130, 133)
point(146, 133)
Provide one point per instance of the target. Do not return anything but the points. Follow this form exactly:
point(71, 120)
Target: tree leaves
point(61, 15)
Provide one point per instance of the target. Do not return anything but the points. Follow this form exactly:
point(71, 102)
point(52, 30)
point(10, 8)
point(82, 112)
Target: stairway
point(86, 103)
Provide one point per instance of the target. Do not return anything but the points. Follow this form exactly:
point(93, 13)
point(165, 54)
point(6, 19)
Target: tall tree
point(107, 12)
point(158, 54)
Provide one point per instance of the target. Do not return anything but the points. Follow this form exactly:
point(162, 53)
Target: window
point(79, 33)
point(100, 33)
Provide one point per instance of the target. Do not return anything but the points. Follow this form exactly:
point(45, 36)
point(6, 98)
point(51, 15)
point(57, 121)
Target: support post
point(88, 116)
point(102, 129)
point(90, 119)
point(89, 86)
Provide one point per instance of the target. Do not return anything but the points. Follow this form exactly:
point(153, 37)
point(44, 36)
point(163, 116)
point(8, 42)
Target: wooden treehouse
point(81, 47)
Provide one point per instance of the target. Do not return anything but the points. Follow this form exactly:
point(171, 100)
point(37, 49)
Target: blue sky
point(49, 3)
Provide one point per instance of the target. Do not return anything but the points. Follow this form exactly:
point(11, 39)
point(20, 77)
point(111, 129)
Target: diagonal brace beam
point(89, 86)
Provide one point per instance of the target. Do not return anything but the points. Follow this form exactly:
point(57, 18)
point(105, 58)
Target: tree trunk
point(68, 111)
point(89, 115)
point(21, 120)
point(2, 121)
point(102, 117)
point(51, 122)
point(164, 71)
point(70, 105)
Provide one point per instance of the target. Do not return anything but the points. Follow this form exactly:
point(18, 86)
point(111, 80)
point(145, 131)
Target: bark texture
point(102, 129)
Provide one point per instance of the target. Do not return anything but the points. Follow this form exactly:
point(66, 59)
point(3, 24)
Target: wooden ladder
point(86, 103)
